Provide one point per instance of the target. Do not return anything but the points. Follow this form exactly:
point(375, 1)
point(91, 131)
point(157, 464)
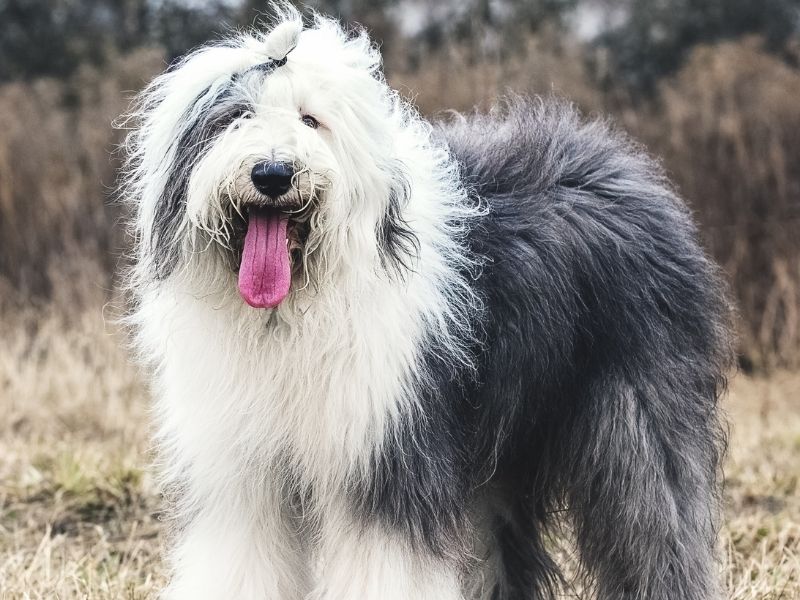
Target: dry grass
point(78, 510)
point(77, 507)
point(762, 533)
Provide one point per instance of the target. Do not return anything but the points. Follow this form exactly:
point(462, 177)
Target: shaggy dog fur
point(489, 321)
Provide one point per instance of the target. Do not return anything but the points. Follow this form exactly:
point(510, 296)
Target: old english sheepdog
point(386, 352)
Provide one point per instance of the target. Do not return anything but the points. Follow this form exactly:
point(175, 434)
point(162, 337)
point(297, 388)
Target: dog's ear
point(398, 244)
point(174, 120)
point(211, 113)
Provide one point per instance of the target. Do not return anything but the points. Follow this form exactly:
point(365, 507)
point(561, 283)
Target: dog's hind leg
point(640, 469)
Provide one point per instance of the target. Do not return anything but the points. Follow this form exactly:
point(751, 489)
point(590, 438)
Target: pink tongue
point(265, 272)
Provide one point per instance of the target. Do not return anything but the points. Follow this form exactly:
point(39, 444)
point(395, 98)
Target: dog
point(386, 353)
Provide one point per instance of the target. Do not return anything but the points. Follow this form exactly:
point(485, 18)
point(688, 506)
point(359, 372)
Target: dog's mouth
point(269, 243)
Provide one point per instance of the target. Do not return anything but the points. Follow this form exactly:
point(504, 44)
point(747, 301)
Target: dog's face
point(271, 157)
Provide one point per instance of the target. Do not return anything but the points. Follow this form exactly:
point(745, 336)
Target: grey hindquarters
point(642, 488)
point(606, 347)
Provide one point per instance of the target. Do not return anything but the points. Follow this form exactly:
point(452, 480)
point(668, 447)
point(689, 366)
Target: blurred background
point(712, 87)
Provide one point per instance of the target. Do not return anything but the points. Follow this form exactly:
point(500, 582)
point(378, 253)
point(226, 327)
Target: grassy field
point(79, 513)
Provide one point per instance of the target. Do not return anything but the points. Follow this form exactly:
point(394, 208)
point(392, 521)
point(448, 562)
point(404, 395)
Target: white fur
point(263, 415)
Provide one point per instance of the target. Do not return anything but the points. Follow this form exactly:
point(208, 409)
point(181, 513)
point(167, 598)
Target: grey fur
point(606, 342)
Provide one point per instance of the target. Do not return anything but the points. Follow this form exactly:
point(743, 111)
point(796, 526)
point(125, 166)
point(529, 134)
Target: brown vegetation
point(57, 175)
point(726, 126)
point(728, 129)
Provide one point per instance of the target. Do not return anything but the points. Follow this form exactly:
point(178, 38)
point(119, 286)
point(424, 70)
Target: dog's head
point(271, 157)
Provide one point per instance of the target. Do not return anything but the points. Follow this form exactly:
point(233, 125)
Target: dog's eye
point(239, 112)
point(310, 121)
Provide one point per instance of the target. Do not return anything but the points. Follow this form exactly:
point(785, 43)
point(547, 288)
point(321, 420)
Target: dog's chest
point(327, 404)
point(316, 399)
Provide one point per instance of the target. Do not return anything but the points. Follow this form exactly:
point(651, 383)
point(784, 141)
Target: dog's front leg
point(369, 561)
point(227, 552)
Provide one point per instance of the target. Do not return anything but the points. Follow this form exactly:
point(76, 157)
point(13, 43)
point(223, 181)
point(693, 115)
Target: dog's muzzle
point(275, 223)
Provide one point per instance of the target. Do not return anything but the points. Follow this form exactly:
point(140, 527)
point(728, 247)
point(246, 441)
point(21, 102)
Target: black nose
point(272, 178)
